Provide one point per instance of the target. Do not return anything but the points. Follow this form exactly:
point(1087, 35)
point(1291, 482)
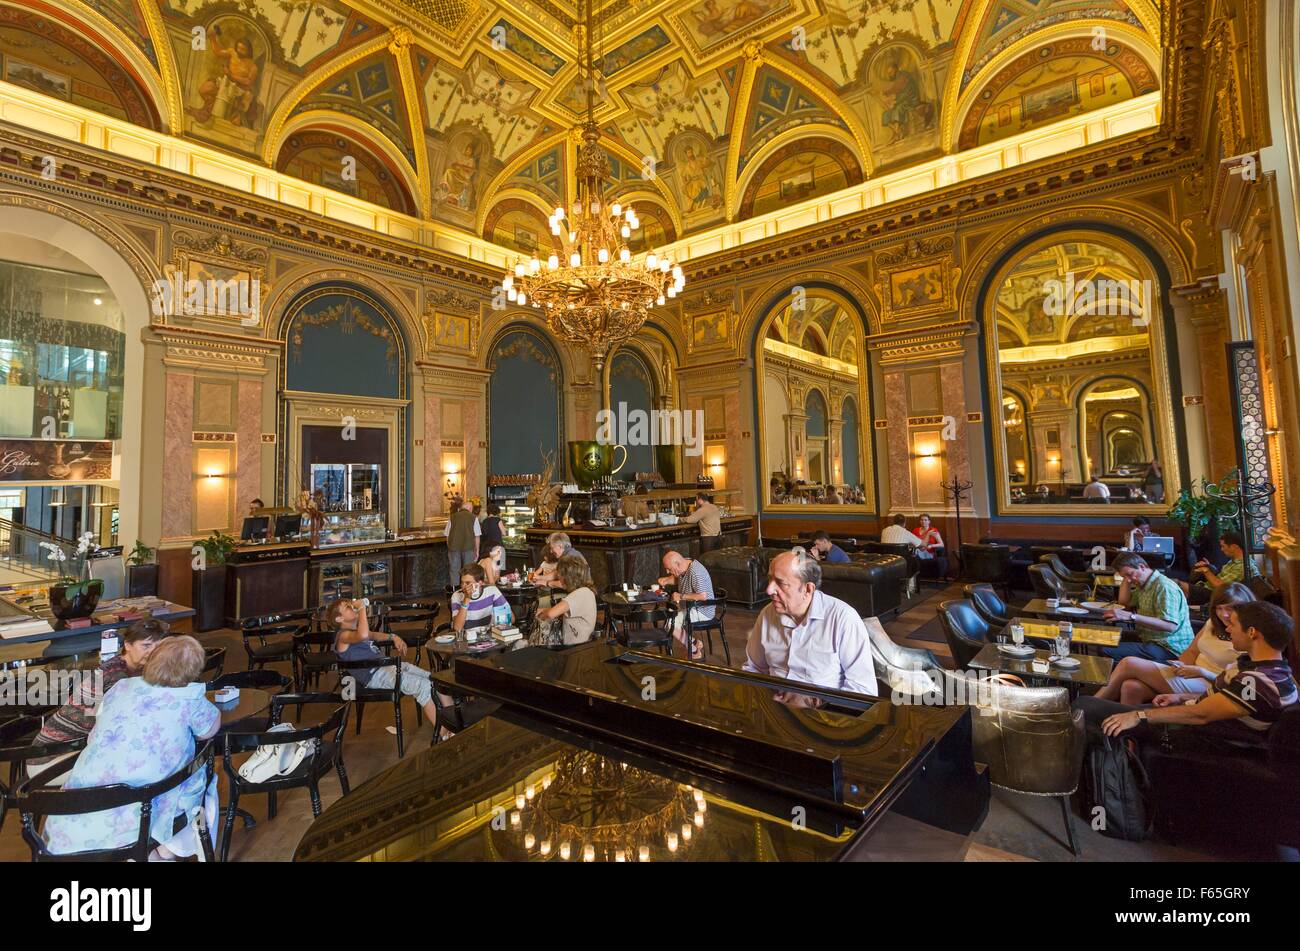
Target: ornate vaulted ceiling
point(463, 110)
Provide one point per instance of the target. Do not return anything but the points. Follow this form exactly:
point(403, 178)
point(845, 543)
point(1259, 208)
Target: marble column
point(1208, 316)
point(178, 475)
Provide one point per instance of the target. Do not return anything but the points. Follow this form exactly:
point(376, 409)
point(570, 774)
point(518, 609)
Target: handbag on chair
point(269, 761)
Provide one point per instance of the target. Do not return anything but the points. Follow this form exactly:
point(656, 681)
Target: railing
point(20, 550)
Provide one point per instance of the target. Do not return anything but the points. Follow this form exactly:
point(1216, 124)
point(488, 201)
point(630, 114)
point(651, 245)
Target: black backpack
point(1116, 780)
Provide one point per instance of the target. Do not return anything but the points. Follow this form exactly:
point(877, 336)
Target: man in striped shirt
point(693, 584)
point(472, 606)
point(1246, 698)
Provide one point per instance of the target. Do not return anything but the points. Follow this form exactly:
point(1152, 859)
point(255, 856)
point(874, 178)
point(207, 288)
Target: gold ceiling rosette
point(594, 294)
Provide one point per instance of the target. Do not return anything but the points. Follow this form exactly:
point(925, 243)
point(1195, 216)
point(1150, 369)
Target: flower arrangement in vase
point(74, 595)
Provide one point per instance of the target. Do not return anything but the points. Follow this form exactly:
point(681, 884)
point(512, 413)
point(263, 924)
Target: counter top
point(578, 533)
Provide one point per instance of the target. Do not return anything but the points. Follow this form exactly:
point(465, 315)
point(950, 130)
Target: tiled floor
point(1017, 828)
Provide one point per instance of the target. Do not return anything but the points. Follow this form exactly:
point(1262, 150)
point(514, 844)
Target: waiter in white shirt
point(809, 637)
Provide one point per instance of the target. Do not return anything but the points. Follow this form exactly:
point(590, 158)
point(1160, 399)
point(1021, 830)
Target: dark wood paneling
point(174, 583)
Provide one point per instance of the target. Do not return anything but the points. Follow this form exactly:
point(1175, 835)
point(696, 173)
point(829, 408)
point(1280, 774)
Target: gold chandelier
point(593, 293)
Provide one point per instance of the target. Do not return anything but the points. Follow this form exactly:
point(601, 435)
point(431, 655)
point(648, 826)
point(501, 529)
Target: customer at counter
point(709, 518)
point(462, 534)
point(809, 637)
point(490, 528)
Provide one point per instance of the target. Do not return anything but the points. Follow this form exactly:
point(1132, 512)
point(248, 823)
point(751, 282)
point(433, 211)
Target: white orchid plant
point(86, 546)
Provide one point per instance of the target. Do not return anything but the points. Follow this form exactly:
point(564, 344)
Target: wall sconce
point(451, 471)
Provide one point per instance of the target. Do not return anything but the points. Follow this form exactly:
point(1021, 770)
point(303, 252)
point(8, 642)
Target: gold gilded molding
point(917, 279)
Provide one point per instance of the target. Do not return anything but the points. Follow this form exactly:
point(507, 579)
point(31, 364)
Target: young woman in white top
point(576, 611)
point(1136, 680)
point(493, 563)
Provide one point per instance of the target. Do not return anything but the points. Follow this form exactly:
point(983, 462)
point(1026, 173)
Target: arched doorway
point(94, 265)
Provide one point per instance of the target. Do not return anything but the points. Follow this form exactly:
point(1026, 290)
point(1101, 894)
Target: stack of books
point(25, 627)
point(507, 635)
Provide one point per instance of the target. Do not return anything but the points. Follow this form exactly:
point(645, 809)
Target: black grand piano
point(601, 753)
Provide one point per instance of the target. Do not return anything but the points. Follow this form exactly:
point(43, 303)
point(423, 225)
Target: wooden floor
point(1018, 828)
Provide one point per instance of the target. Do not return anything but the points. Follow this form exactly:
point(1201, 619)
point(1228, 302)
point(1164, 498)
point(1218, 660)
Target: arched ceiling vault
point(473, 100)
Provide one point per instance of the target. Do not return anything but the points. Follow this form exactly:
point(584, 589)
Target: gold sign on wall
point(212, 277)
point(711, 331)
point(917, 279)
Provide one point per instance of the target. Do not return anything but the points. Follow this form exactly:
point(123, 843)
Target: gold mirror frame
point(1165, 433)
point(862, 395)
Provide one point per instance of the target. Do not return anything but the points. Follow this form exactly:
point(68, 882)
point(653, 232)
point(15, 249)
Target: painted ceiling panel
point(700, 94)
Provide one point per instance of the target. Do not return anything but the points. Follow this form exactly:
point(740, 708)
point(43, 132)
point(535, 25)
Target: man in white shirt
point(806, 636)
point(897, 534)
point(1096, 489)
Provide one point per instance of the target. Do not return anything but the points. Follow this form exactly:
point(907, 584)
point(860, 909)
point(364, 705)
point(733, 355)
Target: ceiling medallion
point(594, 294)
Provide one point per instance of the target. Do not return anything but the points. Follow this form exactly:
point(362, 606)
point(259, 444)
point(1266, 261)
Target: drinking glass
point(1062, 646)
point(1017, 633)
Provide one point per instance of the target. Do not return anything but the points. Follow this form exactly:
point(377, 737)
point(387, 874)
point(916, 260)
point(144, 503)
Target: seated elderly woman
point(576, 610)
point(76, 718)
point(1136, 680)
point(146, 730)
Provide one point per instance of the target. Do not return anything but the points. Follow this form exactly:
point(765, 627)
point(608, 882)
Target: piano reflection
point(601, 753)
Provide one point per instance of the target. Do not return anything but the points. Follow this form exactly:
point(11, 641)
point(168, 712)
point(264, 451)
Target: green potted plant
point(141, 571)
point(209, 581)
point(1202, 516)
point(75, 594)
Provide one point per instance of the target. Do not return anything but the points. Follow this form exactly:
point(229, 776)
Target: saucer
point(1097, 605)
point(1067, 662)
point(1024, 650)
point(445, 638)
point(1064, 610)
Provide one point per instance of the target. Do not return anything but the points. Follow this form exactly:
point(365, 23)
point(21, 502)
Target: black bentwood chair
point(412, 621)
point(327, 753)
point(36, 800)
point(214, 662)
point(368, 694)
point(18, 748)
point(1064, 572)
point(643, 625)
point(964, 630)
point(719, 604)
point(269, 639)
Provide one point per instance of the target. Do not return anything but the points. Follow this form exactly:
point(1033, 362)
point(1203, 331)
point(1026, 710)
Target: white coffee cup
point(1053, 603)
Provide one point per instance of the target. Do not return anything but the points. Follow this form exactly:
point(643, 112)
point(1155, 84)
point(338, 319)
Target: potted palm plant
point(141, 571)
point(75, 594)
point(1202, 517)
point(209, 581)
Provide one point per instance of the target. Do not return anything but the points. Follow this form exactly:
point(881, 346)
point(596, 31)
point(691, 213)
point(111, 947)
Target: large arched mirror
point(812, 398)
point(1077, 361)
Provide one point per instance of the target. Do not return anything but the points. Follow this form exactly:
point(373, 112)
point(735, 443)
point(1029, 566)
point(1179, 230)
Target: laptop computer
point(1162, 544)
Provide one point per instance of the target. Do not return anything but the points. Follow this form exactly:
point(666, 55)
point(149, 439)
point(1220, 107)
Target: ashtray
point(226, 694)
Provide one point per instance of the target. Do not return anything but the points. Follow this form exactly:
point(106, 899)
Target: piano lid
point(849, 756)
point(511, 788)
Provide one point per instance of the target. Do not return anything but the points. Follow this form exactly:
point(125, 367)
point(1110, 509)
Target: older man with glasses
point(809, 637)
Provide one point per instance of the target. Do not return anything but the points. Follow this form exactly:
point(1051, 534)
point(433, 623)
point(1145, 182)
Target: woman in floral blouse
point(145, 731)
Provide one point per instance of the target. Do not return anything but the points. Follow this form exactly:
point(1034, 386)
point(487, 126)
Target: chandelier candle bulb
point(546, 847)
point(620, 856)
point(529, 839)
point(686, 832)
point(643, 854)
point(519, 801)
point(514, 817)
point(672, 841)
point(564, 851)
point(589, 853)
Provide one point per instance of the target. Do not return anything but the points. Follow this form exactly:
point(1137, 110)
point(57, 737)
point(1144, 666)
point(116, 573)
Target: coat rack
point(1249, 502)
point(956, 489)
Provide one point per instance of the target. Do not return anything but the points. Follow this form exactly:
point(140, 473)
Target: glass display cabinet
point(514, 519)
point(348, 487)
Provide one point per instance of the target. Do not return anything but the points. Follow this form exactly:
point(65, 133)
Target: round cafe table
point(251, 702)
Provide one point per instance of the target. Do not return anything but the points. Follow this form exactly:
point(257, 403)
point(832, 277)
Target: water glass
point(1062, 642)
point(1017, 633)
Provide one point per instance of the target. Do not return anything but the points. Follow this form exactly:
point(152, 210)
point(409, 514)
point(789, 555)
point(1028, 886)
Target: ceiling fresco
point(713, 110)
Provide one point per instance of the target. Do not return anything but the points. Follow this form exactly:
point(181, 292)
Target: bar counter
point(292, 576)
point(617, 555)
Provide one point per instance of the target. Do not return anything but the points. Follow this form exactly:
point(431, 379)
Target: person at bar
point(807, 636)
point(1157, 608)
point(462, 532)
point(709, 518)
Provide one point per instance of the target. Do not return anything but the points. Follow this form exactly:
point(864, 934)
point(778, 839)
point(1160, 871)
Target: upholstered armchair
point(912, 672)
point(1031, 740)
point(988, 563)
point(1048, 584)
point(965, 631)
point(1063, 571)
point(988, 605)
